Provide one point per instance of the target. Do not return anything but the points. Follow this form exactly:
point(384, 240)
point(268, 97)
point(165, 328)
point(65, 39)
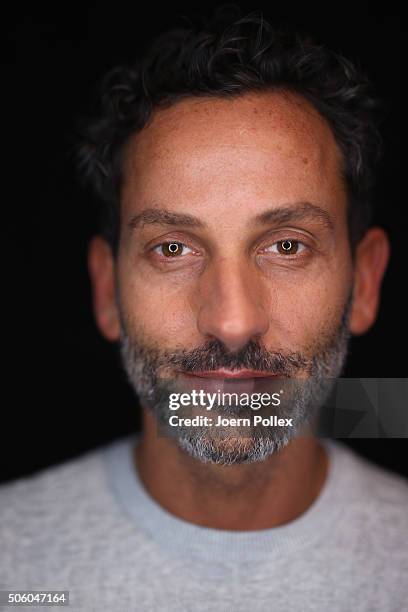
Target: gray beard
point(304, 396)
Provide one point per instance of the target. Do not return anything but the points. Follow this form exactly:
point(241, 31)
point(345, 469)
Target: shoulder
point(375, 499)
point(57, 522)
point(53, 500)
point(65, 479)
point(376, 482)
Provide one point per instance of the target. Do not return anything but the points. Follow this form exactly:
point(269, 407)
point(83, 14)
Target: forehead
point(206, 146)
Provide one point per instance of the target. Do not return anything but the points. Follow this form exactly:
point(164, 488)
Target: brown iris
point(172, 249)
point(288, 247)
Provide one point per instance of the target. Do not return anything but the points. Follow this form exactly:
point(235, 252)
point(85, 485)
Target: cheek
point(305, 313)
point(311, 306)
point(160, 311)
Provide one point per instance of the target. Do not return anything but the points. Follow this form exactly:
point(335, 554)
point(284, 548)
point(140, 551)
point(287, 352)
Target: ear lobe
point(101, 267)
point(372, 255)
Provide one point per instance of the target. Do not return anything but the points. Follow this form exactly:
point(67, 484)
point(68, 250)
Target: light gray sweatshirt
point(89, 526)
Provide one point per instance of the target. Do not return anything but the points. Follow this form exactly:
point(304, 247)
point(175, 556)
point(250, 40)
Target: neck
point(239, 497)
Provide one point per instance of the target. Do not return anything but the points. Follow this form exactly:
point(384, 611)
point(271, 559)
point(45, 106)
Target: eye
point(172, 249)
point(287, 247)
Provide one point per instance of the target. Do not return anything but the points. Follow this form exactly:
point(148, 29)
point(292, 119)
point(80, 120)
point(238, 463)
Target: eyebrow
point(283, 214)
point(161, 216)
point(296, 212)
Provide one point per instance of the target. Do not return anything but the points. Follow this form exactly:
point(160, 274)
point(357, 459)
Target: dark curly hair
point(225, 59)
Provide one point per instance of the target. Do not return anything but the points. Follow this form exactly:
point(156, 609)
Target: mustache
point(213, 355)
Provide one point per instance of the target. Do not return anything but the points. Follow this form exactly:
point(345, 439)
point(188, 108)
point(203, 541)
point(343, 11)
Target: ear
point(101, 267)
point(371, 260)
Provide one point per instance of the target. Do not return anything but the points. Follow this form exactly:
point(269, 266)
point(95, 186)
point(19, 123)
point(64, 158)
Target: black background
point(63, 388)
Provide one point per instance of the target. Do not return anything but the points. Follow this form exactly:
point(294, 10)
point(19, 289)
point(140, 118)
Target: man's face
point(249, 193)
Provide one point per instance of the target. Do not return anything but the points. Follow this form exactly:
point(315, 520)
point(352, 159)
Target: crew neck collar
point(190, 540)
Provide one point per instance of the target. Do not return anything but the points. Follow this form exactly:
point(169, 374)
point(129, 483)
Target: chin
point(231, 450)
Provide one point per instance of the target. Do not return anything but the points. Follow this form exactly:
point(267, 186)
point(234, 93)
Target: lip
point(224, 374)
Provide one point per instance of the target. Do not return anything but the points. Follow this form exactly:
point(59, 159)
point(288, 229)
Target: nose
point(233, 308)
